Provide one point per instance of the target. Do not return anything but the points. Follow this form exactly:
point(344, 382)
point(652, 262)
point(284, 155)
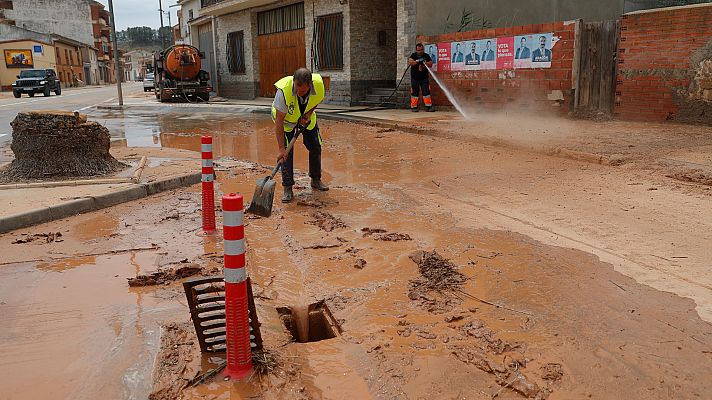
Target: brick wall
point(665, 65)
point(536, 89)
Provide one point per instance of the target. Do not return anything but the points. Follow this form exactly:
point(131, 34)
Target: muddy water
point(300, 317)
point(611, 337)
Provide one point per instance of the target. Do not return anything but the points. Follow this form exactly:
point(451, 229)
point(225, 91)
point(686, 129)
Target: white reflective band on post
point(232, 218)
point(205, 148)
point(234, 247)
point(235, 275)
point(207, 178)
point(207, 163)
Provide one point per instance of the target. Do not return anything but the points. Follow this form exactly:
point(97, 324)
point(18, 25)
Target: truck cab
point(33, 81)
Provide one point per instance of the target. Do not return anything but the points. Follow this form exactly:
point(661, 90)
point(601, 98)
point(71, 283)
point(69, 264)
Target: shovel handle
point(289, 149)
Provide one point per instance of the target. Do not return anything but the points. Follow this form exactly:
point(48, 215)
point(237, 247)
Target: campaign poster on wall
point(488, 53)
point(472, 56)
point(541, 48)
point(21, 58)
point(444, 57)
point(457, 58)
point(523, 51)
point(432, 50)
point(505, 53)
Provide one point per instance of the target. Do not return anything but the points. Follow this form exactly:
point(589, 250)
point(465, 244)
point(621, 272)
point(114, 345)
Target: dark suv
point(33, 81)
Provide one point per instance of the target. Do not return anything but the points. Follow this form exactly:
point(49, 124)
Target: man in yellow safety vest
point(294, 104)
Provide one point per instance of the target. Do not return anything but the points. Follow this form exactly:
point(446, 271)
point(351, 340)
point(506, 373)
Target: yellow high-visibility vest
point(294, 112)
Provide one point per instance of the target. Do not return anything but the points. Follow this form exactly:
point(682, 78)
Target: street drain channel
point(310, 324)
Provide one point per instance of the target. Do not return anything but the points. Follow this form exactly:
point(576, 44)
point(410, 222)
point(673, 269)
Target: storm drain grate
point(206, 300)
point(310, 324)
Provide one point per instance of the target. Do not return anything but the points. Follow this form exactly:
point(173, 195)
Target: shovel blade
point(263, 198)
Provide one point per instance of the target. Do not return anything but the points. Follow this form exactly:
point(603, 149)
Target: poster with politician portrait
point(457, 58)
point(472, 56)
point(523, 51)
point(542, 50)
point(431, 49)
point(488, 53)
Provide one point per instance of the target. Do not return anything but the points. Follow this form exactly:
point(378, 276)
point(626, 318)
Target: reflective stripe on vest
point(294, 113)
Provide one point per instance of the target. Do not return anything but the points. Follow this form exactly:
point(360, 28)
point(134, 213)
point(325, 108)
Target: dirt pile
point(46, 237)
point(55, 145)
point(438, 275)
point(384, 236)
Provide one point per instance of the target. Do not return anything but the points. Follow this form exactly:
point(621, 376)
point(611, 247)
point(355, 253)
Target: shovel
point(264, 190)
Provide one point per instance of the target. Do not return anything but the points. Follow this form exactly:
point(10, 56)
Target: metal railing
point(208, 3)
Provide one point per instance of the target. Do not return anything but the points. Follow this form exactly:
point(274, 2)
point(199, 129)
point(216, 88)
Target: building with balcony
point(70, 62)
point(101, 33)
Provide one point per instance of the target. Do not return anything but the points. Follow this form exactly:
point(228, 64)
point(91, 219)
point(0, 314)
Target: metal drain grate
point(206, 300)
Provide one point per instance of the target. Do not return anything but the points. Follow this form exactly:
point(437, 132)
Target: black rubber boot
point(319, 185)
point(288, 194)
point(429, 109)
point(413, 110)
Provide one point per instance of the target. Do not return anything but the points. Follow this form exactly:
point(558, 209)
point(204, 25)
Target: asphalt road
point(70, 100)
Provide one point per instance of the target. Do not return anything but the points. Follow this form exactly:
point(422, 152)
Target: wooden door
point(597, 69)
point(280, 54)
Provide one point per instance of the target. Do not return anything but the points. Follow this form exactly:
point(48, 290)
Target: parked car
point(33, 81)
point(148, 83)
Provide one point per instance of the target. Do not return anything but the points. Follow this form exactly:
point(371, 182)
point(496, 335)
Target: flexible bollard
point(237, 326)
point(206, 147)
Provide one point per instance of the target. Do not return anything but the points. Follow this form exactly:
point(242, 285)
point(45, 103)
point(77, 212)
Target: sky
point(131, 13)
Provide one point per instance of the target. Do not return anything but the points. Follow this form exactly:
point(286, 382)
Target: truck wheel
point(46, 91)
point(16, 94)
point(31, 94)
point(58, 91)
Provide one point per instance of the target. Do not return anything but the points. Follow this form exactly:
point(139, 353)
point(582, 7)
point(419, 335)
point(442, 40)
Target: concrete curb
point(78, 206)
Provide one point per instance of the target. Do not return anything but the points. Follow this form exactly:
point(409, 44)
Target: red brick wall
point(526, 88)
point(658, 65)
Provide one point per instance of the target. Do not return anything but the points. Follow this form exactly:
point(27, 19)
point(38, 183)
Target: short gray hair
point(303, 76)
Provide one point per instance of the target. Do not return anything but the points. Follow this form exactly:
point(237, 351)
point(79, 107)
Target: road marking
point(94, 105)
point(36, 100)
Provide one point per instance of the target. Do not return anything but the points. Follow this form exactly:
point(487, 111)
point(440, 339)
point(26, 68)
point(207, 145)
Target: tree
point(142, 35)
point(167, 33)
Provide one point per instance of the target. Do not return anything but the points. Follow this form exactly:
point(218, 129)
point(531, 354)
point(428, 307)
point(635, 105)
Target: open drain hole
point(309, 324)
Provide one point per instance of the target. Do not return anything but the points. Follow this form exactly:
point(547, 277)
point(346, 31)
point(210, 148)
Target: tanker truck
point(178, 74)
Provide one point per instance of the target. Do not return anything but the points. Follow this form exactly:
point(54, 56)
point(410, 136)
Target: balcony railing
point(208, 3)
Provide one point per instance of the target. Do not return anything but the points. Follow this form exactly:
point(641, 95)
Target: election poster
point(457, 58)
point(488, 53)
point(505, 53)
point(432, 50)
point(472, 56)
point(18, 58)
point(523, 51)
point(541, 48)
point(444, 57)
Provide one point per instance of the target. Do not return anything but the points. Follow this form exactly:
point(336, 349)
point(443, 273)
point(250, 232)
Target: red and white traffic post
point(237, 323)
point(206, 147)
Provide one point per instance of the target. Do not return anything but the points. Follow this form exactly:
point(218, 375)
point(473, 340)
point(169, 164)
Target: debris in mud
point(486, 337)
point(177, 363)
point(48, 237)
point(322, 245)
point(165, 276)
point(436, 274)
point(511, 378)
point(308, 201)
point(383, 235)
point(326, 221)
point(693, 176)
point(360, 263)
point(552, 372)
point(264, 362)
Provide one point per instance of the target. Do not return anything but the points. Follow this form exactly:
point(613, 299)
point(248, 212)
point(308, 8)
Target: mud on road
point(453, 305)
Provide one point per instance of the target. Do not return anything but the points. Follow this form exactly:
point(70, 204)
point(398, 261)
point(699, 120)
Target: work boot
point(429, 109)
point(288, 194)
point(319, 185)
point(414, 110)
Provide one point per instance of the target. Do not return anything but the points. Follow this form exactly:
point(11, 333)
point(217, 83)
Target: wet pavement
point(527, 230)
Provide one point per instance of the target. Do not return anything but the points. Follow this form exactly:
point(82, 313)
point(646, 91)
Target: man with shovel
point(293, 107)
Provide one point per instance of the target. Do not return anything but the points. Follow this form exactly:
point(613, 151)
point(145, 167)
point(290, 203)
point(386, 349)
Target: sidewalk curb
point(79, 206)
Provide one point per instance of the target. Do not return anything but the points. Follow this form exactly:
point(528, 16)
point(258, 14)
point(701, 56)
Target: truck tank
point(181, 62)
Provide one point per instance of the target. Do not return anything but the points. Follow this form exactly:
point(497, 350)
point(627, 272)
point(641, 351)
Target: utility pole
point(117, 70)
point(160, 32)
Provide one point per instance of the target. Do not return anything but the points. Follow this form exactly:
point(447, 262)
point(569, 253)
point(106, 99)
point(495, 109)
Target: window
point(236, 52)
point(66, 55)
point(190, 15)
point(330, 42)
point(281, 19)
point(71, 58)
